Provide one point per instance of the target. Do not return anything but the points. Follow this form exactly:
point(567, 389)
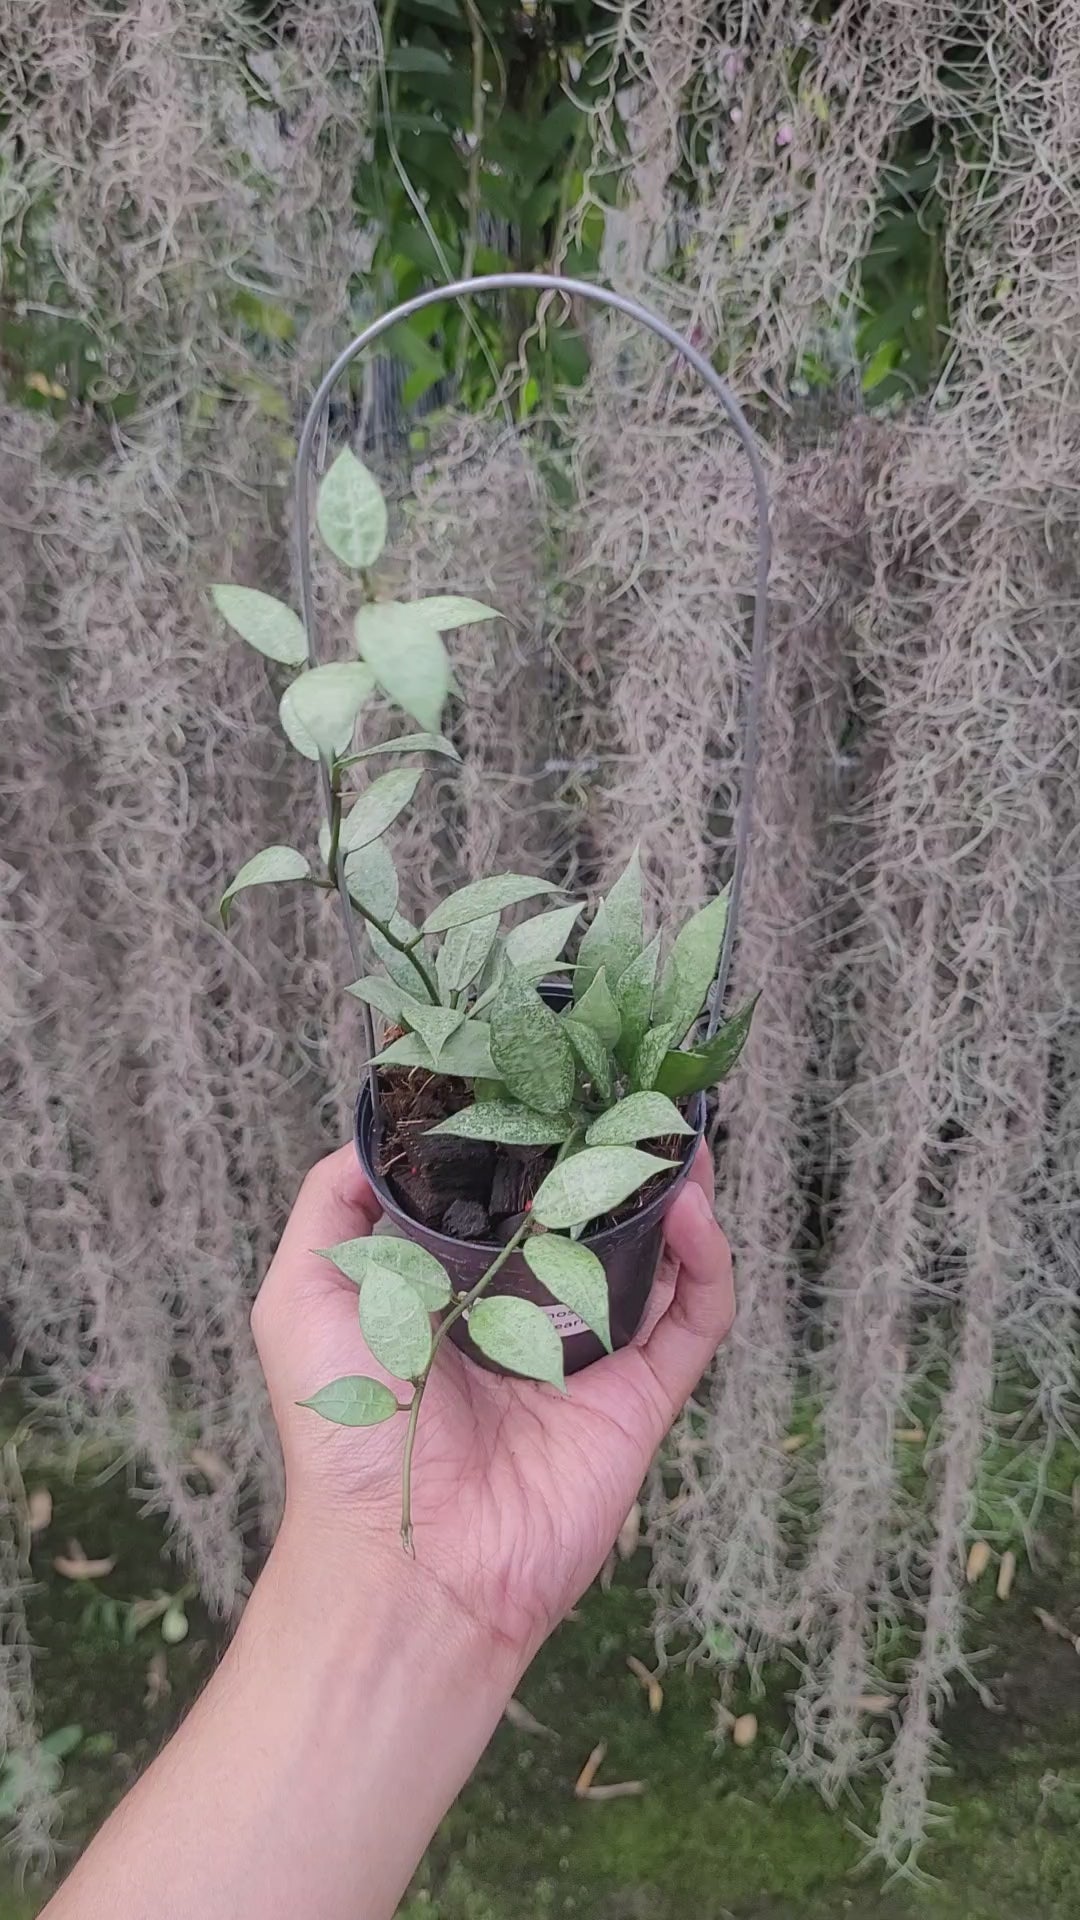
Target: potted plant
point(527, 1118)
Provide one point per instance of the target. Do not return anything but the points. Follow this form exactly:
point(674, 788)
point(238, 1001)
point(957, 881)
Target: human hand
point(518, 1491)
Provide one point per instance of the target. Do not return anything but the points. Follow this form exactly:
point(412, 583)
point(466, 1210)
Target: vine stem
point(336, 866)
point(441, 1331)
point(336, 869)
point(408, 951)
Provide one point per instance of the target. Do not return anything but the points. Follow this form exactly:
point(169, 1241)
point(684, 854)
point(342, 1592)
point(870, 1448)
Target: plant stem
point(335, 824)
point(441, 1331)
point(336, 868)
point(474, 1293)
point(406, 1465)
point(407, 950)
point(331, 783)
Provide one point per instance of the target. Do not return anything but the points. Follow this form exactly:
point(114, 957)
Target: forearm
point(345, 1717)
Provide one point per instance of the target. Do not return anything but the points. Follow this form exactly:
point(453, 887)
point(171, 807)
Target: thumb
point(702, 1309)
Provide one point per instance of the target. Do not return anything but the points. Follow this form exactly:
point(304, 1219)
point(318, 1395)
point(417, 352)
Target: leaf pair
point(400, 646)
point(654, 1023)
point(401, 1285)
point(518, 1334)
point(372, 881)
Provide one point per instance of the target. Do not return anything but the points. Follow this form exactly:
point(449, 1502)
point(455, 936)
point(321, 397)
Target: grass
point(712, 1837)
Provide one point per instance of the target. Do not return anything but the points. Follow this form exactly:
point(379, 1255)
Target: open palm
point(518, 1490)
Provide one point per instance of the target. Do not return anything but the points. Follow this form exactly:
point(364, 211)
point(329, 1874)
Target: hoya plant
point(571, 1087)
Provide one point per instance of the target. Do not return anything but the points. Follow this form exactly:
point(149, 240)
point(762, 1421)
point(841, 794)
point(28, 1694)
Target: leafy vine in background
point(482, 113)
point(482, 130)
point(50, 355)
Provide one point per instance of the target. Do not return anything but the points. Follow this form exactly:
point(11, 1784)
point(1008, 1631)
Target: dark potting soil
point(468, 1189)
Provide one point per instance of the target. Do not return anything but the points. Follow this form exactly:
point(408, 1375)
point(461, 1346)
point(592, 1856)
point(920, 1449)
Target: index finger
point(335, 1203)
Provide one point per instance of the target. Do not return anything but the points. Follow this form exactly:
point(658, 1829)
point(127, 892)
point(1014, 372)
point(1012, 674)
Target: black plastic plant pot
point(630, 1252)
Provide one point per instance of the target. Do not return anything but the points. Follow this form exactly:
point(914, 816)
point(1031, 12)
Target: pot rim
point(598, 1243)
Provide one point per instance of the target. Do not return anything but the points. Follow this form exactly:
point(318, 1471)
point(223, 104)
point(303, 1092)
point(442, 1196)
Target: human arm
point(363, 1685)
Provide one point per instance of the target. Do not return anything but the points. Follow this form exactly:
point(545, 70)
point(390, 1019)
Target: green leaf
point(649, 1057)
point(691, 967)
point(704, 1066)
point(482, 897)
point(616, 935)
point(435, 1025)
point(407, 657)
point(61, 1742)
point(18, 1781)
point(273, 863)
point(350, 512)
point(356, 1259)
point(464, 952)
point(530, 1048)
point(354, 1401)
point(426, 60)
point(641, 1116)
point(508, 1124)
point(405, 743)
point(880, 365)
point(445, 611)
point(395, 1323)
point(573, 1276)
point(378, 807)
point(467, 1053)
point(372, 880)
point(597, 1009)
point(174, 1625)
point(592, 1183)
point(375, 990)
point(633, 997)
point(593, 1055)
point(99, 1745)
point(265, 623)
point(518, 1335)
point(318, 709)
point(537, 943)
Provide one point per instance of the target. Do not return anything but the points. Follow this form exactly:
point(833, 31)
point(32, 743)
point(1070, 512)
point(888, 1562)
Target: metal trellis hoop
point(621, 303)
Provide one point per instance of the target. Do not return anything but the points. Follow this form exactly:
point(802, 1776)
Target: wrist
point(346, 1597)
point(348, 1712)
